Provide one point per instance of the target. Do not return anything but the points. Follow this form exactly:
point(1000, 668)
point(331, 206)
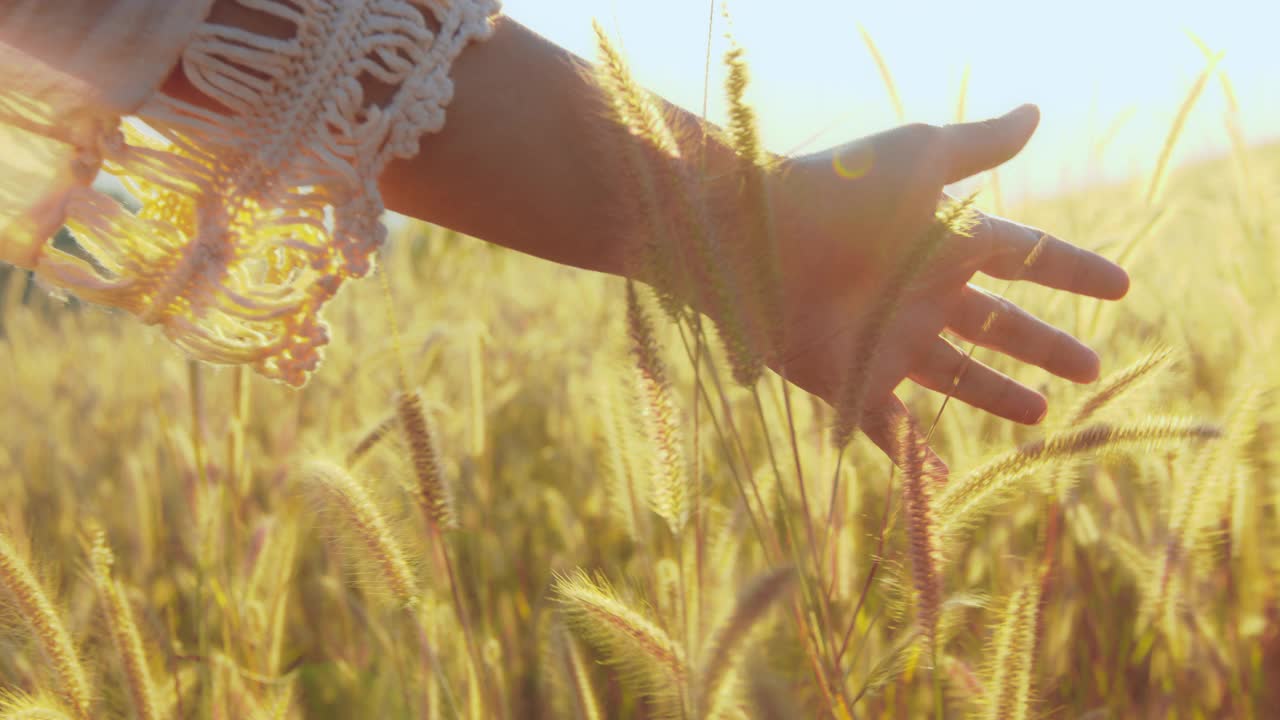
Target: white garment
point(252, 215)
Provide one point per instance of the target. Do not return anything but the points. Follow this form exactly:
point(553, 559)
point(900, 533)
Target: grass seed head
point(358, 518)
point(434, 494)
point(27, 598)
point(123, 631)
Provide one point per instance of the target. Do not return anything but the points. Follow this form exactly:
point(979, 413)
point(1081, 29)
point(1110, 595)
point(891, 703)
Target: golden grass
point(1156, 184)
point(350, 512)
point(31, 604)
point(695, 549)
point(726, 644)
point(885, 74)
point(123, 629)
point(23, 707)
point(434, 495)
point(1008, 687)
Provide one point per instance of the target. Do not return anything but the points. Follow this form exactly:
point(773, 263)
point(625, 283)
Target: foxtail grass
point(632, 106)
point(123, 629)
point(966, 499)
point(1118, 384)
point(624, 636)
point(380, 555)
point(372, 438)
point(29, 707)
point(433, 493)
point(1158, 177)
point(644, 133)
point(901, 655)
point(922, 539)
point(28, 600)
point(725, 649)
point(1009, 686)
point(962, 96)
point(671, 494)
point(575, 674)
point(763, 287)
point(683, 254)
point(885, 75)
point(627, 484)
point(1196, 503)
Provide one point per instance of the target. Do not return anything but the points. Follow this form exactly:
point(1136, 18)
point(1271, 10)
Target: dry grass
point(569, 529)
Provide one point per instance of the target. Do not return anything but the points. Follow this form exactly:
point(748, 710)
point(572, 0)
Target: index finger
point(1020, 252)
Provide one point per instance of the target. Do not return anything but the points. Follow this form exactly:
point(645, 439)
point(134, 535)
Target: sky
point(1096, 68)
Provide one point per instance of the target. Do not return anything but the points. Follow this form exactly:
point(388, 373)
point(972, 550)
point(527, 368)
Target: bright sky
point(1089, 64)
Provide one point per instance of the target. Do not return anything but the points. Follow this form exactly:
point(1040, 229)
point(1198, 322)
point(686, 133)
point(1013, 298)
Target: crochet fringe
point(252, 217)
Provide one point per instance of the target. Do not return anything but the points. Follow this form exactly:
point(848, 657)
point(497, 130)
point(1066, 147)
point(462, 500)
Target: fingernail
point(1041, 414)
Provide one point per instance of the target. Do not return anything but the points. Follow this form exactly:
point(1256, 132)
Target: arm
point(518, 164)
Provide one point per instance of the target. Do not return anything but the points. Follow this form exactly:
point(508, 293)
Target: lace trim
point(252, 218)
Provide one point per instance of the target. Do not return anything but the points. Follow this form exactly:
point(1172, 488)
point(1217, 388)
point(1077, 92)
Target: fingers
point(892, 428)
point(1020, 252)
point(993, 322)
point(974, 147)
point(944, 368)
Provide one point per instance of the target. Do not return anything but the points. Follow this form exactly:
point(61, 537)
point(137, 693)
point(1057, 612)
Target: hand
point(846, 218)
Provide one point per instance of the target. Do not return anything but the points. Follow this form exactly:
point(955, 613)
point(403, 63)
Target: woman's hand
point(520, 164)
point(845, 220)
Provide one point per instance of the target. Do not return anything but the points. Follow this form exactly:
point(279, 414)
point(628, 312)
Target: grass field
point(555, 530)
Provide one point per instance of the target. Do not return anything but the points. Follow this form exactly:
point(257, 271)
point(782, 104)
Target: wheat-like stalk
point(1134, 560)
point(1157, 182)
point(725, 646)
point(963, 500)
point(922, 537)
point(344, 499)
point(627, 486)
point(371, 439)
point(669, 597)
point(897, 659)
point(594, 611)
point(631, 105)
point(1117, 384)
point(885, 75)
point(19, 706)
point(671, 493)
point(671, 190)
point(1109, 390)
point(762, 274)
point(644, 133)
point(962, 96)
point(32, 605)
point(574, 671)
point(1195, 501)
point(124, 632)
point(1008, 690)
point(433, 493)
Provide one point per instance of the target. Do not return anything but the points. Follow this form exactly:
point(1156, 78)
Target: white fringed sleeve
point(253, 215)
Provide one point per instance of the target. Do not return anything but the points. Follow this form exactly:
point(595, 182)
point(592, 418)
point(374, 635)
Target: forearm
point(527, 159)
point(518, 162)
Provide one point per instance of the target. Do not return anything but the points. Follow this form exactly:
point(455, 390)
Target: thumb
point(974, 147)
